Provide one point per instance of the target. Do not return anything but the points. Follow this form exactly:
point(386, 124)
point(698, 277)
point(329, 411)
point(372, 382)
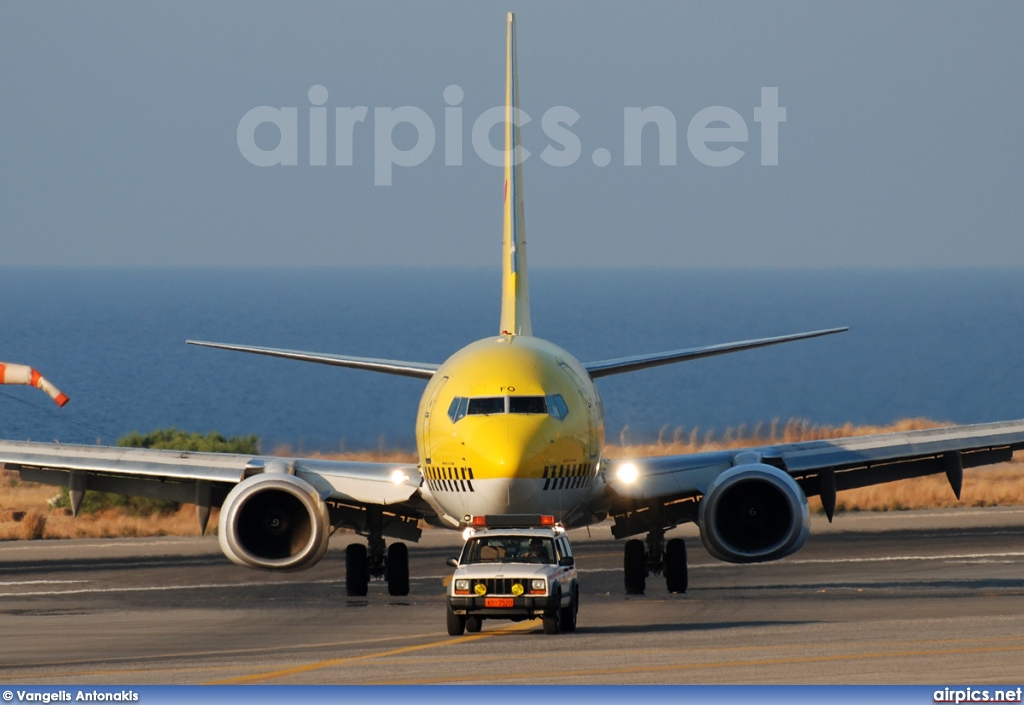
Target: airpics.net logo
point(714, 136)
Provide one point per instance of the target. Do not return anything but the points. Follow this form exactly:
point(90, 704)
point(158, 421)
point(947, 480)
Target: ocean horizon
point(937, 343)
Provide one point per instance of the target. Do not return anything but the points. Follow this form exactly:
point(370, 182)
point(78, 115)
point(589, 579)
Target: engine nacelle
point(274, 521)
point(753, 513)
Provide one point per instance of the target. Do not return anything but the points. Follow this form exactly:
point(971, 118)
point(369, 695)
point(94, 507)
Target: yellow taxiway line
point(306, 668)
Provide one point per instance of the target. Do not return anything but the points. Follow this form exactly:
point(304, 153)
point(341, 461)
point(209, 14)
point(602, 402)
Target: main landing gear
point(376, 561)
point(658, 557)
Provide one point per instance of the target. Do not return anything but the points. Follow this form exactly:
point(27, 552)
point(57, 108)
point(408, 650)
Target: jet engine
point(275, 521)
point(753, 513)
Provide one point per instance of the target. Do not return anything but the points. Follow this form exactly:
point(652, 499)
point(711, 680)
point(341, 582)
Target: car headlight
point(461, 586)
point(538, 585)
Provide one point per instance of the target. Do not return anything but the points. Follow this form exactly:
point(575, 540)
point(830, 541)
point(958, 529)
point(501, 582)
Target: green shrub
point(173, 439)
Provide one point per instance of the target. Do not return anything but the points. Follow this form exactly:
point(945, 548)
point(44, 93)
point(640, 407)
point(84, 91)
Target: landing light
point(399, 477)
point(627, 473)
point(467, 533)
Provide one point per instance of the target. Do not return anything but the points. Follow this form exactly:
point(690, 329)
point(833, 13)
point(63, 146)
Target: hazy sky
point(902, 146)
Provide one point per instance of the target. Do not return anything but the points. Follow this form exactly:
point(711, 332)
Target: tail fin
point(515, 297)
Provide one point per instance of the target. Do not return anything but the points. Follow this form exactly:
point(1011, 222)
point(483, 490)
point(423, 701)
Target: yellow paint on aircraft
point(509, 445)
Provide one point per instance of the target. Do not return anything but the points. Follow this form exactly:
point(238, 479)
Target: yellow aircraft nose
point(511, 446)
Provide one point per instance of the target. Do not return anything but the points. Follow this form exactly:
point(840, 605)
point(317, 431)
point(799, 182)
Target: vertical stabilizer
point(515, 297)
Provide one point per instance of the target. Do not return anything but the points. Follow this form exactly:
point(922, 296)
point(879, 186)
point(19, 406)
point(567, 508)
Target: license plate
point(497, 602)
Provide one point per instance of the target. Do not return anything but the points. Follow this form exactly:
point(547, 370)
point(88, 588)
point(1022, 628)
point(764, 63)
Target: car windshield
point(509, 549)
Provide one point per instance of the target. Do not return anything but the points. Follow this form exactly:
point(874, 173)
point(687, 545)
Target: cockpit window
point(457, 409)
point(553, 404)
point(527, 405)
point(557, 407)
point(486, 405)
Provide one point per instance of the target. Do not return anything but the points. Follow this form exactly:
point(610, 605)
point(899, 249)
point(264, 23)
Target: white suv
point(514, 574)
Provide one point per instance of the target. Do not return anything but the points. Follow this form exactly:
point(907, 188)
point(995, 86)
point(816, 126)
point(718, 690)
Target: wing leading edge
point(420, 370)
point(619, 365)
point(820, 467)
point(205, 479)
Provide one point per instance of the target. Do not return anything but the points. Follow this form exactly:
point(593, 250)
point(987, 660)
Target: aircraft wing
point(420, 370)
point(603, 368)
point(819, 467)
point(206, 478)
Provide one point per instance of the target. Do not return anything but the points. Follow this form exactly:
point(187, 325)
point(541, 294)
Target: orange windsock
point(23, 374)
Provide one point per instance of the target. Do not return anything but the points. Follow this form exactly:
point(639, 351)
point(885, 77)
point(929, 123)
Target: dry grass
point(983, 487)
point(112, 524)
point(793, 431)
point(1001, 484)
point(381, 455)
point(26, 514)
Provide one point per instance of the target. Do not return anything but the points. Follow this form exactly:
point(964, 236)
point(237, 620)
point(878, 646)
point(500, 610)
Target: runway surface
point(910, 597)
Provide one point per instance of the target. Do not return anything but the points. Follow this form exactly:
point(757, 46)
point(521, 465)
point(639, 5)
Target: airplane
point(514, 425)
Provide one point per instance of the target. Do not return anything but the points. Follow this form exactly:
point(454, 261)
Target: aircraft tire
point(634, 566)
point(357, 570)
point(474, 624)
point(398, 569)
point(676, 578)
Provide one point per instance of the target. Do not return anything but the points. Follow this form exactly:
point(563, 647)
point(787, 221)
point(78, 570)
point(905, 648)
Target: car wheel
point(570, 612)
point(456, 623)
point(553, 621)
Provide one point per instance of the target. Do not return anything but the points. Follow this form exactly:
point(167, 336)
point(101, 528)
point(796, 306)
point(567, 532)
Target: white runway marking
point(158, 588)
point(947, 557)
point(105, 543)
point(41, 582)
point(977, 557)
point(986, 557)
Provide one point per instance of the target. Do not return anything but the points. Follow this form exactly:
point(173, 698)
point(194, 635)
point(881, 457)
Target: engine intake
point(274, 521)
point(753, 513)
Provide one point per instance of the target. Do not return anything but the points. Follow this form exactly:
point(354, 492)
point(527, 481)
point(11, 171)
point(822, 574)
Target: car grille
point(501, 586)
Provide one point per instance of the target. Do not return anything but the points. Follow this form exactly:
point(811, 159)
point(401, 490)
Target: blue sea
point(942, 344)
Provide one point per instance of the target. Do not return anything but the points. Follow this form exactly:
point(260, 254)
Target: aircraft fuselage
point(510, 424)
